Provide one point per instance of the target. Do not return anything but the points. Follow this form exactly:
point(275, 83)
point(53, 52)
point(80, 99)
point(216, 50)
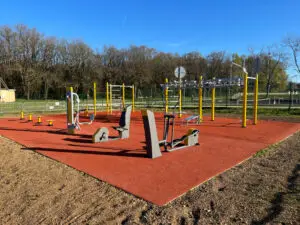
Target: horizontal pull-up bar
point(252, 78)
point(120, 86)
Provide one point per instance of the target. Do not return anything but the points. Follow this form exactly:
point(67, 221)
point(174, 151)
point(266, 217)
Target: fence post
point(244, 121)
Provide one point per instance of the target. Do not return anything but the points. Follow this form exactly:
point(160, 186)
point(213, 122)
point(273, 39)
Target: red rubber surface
point(122, 163)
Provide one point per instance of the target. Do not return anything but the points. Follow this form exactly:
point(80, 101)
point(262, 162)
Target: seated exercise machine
point(73, 112)
point(152, 142)
point(189, 139)
point(192, 118)
point(102, 134)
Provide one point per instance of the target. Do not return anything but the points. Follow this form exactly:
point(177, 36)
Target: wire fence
point(154, 99)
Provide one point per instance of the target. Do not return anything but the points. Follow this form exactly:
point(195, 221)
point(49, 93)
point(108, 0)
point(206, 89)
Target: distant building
point(6, 94)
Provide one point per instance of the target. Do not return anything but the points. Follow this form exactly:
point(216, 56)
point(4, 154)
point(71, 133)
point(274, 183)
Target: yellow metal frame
point(39, 119)
point(213, 99)
point(95, 98)
point(21, 115)
point(245, 93)
point(200, 99)
point(123, 95)
point(180, 102)
point(30, 117)
point(132, 98)
point(255, 102)
point(110, 98)
point(107, 97)
point(50, 122)
point(166, 96)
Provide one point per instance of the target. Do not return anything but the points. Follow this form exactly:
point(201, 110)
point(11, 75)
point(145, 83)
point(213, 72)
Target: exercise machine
point(115, 96)
point(200, 85)
point(153, 144)
point(192, 118)
point(102, 134)
point(73, 112)
point(189, 139)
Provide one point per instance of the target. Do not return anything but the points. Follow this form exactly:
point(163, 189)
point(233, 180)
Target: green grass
point(261, 153)
point(262, 111)
point(41, 106)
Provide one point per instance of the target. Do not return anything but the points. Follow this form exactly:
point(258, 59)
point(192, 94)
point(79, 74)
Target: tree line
point(42, 67)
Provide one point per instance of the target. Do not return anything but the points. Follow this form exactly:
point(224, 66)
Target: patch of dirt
point(37, 190)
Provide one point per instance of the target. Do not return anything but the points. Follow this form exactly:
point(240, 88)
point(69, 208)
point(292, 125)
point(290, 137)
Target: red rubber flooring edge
point(122, 163)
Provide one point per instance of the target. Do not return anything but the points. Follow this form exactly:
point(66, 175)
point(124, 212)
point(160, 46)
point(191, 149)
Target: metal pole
point(95, 98)
point(123, 95)
point(200, 100)
point(166, 96)
point(70, 111)
point(255, 102)
point(244, 121)
point(213, 95)
point(22, 115)
point(133, 92)
point(180, 100)
point(107, 97)
point(110, 96)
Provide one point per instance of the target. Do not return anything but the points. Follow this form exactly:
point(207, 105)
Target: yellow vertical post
point(213, 99)
point(133, 92)
point(166, 96)
point(95, 98)
point(30, 117)
point(39, 120)
point(180, 101)
point(22, 115)
point(200, 100)
point(110, 96)
point(123, 95)
point(255, 102)
point(107, 97)
point(86, 111)
point(244, 121)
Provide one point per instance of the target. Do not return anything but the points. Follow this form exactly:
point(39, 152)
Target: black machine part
point(169, 120)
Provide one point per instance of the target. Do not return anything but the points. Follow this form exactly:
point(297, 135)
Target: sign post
point(180, 73)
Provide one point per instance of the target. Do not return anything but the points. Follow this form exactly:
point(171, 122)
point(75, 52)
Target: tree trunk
point(290, 99)
point(28, 91)
point(268, 88)
point(46, 90)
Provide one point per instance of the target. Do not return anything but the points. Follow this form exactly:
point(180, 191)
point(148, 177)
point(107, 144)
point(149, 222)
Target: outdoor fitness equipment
point(200, 85)
point(22, 115)
point(30, 117)
point(117, 93)
point(245, 93)
point(212, 84)
point(102, 134)
point(190, 139)
point(152, 142)
point(73, 112)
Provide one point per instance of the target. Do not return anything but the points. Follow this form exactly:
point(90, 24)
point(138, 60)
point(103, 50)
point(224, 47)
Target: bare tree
point(294, 45)
point(274, 59)
point(38, 66)
point(215, 64)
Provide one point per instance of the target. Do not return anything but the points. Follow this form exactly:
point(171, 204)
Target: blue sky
point(171, 26)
